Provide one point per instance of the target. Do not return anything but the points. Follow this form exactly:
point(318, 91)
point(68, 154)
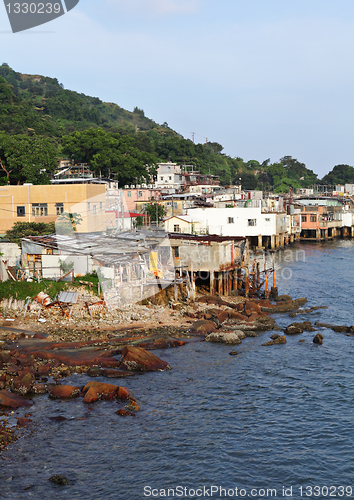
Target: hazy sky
point(265, 78)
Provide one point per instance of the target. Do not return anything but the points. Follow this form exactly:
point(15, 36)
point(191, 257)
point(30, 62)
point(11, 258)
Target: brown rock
point(44, 370)
point(278, 340)
point(250, 305)
point(125, 413)
point(132, 406)
point(23, 384)
point(64, 391)
point(138, 359)
point(5, 357)
point(318, 339)
point(24, 422)
point(10, 400)
point(293, 329)
point(124, 394)
point(203, 327)
point(39, 389)
point(97, 390)
point(13, 369)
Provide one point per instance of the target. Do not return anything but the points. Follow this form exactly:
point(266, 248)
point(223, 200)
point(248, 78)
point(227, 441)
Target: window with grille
point(59, 208)
point(39, 209)
point(252, 222)
point(21, 211)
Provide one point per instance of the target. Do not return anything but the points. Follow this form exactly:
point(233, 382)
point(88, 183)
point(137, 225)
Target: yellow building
point(182, 224)
point(29, 203)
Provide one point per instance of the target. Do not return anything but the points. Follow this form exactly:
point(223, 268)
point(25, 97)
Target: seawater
point(269, 418)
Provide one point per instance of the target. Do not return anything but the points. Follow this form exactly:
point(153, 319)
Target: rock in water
point(59, 479)
point(64, 391)
point(318, 338)
point(224, 337)
point(293, 329)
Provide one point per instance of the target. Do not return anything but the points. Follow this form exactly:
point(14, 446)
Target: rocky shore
point(41, 348)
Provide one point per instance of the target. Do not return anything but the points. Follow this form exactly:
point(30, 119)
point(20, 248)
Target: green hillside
point(40, 121)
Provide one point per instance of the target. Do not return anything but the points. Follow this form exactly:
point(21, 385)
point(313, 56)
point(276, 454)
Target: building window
point(252, 222)
point(304, 218)
point(312, 218)
point(140, 194)
point(39, 209)
point(59, 208)
point(230, 220)
point(174, 204)
point(161, 178)
point(176, 228)
point(21, 211)
point(129, 194)
point(94, 210)
point(101, 205)
point(170, 178)
point(88, 206)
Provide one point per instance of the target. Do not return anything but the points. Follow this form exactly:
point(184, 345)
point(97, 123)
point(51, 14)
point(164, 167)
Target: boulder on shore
point(138, 359)
point(224, 337)
point(10, 400)
point(203, 327)
point(64, 391)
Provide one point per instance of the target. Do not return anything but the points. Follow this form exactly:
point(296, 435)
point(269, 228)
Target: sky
point(265, 79)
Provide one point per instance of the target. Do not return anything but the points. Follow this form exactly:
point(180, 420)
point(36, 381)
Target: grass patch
point(22, 289)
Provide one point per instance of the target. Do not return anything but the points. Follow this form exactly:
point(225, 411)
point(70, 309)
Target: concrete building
point(29, 203)
point(185, 224)
point(263, 229)
point(321, 222)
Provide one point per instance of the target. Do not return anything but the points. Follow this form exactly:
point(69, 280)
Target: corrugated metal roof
point(68, 297)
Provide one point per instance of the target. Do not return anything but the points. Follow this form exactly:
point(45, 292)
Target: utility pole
point(193, 137)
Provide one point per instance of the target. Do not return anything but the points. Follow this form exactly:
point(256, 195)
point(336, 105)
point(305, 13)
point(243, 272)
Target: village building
point(263, 229)
point(35, 203)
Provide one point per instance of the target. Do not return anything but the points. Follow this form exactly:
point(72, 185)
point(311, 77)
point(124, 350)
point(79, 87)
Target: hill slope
point(37, 109)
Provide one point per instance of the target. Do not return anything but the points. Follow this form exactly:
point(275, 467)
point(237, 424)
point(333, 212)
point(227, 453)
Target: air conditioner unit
point(138, 186)
point(144, 186)
point(126, 186)
point(132, 186)
point(150, 186)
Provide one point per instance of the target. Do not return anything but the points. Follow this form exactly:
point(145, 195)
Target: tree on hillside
point(26, 159)
point(298, 171)
point(340, 174)
point(109, 154)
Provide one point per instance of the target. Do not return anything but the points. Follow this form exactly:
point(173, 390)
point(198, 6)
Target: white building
point(261, 228)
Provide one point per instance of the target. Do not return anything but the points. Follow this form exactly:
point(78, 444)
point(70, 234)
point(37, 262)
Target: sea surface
point(277, 417)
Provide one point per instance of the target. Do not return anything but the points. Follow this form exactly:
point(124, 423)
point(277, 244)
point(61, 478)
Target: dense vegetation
point(41, 121)
point(23, 229)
